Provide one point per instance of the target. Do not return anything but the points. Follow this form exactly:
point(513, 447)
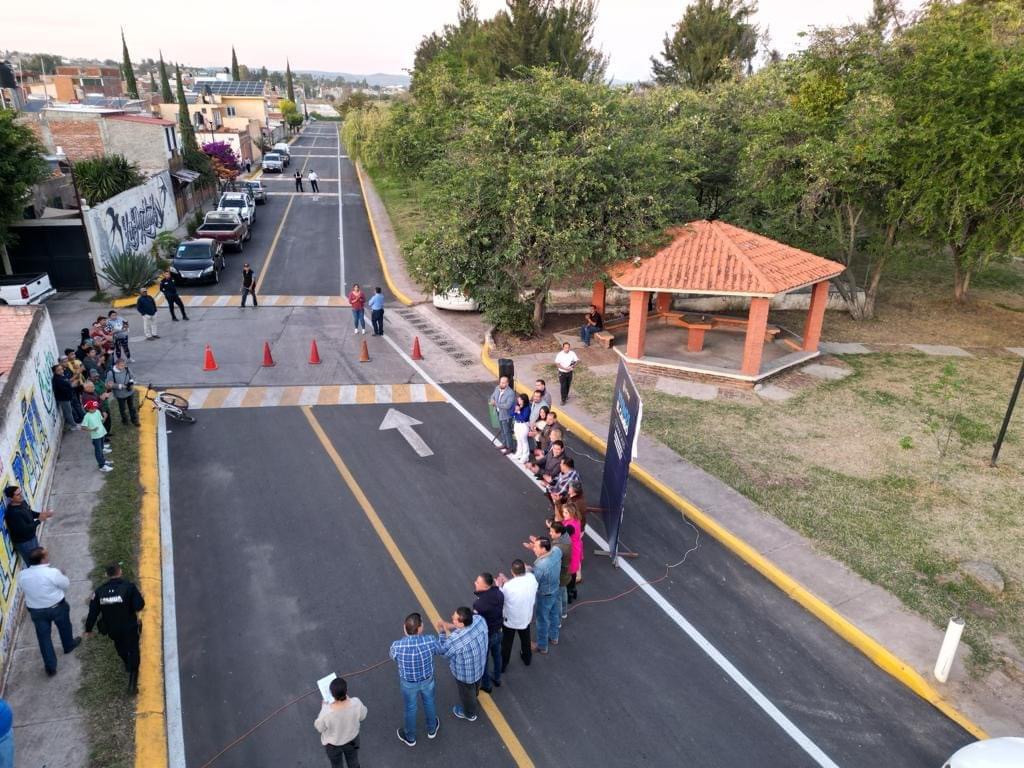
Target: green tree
point(545, 33)
point(959, 93)
point(355, 100)
point(165, 83)
point(185, 128)
point(544, 180)
point(43, 63)
point(131, 87)
point(243, 72)
point(288, 84)
point(21, 166)
point(152, 82)
point(235, 74)
point(714, 41)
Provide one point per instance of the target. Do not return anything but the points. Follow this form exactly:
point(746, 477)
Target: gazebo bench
point(697, 326)
point(604, 338)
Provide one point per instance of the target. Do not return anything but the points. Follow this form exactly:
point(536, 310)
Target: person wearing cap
point(96, 387)
point(248, 284)
point(93, 423)
point(113, 610)
point(146, 307)
point(121, 382)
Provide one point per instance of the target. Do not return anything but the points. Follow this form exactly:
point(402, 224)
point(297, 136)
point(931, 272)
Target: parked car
point(226, 228)
point(284, 149)
point(273, 163)
point(255, 189)
point(240, 203)
point(456, 301)
point(199, 260)
point(1005, 752)
point(26, 288)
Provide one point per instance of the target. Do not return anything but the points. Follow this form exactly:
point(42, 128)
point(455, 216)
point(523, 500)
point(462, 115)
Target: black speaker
point(507, 368)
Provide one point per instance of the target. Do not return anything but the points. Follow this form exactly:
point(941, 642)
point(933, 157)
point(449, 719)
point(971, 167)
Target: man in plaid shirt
point(464, 643)
point(414, 655)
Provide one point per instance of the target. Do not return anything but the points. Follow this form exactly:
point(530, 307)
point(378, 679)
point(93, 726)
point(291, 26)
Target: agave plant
point(130, 271)
point(101, 178)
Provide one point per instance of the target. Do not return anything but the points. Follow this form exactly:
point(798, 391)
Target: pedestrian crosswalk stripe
point(333, 394)
point(235, 300)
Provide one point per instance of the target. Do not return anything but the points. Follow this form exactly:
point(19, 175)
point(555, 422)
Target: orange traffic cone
point(268, 361)
point(314, 354)
point(416, 354)
point(209, 364)
point(364, 353)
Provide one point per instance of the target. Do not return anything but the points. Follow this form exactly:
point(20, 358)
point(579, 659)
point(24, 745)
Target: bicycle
point(175, 406)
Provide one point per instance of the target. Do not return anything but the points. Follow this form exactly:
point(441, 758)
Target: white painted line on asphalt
point(222, 301)
point(309, 396)
point(172, 680)
point(802, 740)
point(195, 301)
point(235, 397)
point(347, 394)
point(382, 393)
point(341, 228)
point(322, 301)
point(272, 396)
point(417, 393)
point(269, 301)
point(198, 398)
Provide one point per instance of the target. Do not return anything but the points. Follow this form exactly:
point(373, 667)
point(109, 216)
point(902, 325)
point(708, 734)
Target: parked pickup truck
point(28, 288)
point(226, 228)
point(240, 203)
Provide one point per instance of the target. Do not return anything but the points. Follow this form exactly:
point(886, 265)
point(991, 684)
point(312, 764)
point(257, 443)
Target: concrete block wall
point(140, 143)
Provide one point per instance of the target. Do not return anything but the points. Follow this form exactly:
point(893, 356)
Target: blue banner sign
point(624, 425)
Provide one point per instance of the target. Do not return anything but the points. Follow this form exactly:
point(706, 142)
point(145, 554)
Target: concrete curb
point(867, 645)
point(150, 708)
point(129, 301)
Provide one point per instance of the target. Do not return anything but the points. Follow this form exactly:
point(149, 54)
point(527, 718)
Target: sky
point(362, 37)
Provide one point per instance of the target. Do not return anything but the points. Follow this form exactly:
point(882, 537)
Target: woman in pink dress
point(574, 527)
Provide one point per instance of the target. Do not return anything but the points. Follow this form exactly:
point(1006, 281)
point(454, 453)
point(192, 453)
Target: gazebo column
point(753, 346)
point(597, 296)
point(815, 316)
point(637, 334)
point(664, 302)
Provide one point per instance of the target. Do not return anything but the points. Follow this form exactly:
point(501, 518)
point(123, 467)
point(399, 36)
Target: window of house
point(171, 139)
point(231, 111)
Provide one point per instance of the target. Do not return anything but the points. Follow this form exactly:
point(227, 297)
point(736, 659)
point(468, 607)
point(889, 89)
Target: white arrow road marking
point(395, 419)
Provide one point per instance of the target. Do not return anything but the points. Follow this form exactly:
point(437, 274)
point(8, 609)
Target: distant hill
point(377, 78)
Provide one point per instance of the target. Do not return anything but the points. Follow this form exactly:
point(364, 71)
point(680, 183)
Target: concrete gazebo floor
point(722, 356)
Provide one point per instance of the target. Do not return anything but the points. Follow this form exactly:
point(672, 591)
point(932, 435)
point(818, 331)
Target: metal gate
point(59, 247)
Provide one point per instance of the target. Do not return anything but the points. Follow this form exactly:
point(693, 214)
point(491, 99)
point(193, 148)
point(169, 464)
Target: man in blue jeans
point(44, 587)
point(22, 522)
point(503, 400)
point(490, 603)
point(546, 569)
point(414, 655)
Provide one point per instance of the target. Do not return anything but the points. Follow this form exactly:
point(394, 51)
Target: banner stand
point(623, 428)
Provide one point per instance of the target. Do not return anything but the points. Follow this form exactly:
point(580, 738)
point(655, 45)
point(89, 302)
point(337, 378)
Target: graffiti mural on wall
point(137, 225)
point(24, 462)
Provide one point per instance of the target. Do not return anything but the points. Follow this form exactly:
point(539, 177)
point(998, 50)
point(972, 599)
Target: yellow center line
point(497, 719)
point(273, 247)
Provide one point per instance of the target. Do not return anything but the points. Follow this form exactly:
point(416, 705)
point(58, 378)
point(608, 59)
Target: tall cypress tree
point(129, 72)
point(289, 87)
point(188, 133)
point(165, 83)
point(234, 65)
point(152, 82)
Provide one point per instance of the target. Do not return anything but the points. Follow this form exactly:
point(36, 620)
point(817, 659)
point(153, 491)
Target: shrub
point(130, 271)
point(101, 178)
point(164, 245)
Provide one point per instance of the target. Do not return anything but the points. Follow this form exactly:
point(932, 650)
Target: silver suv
point(272, 161)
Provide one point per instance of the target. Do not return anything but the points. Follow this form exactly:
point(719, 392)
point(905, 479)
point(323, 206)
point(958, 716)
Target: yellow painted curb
point(129, 301)
point(150, 715)
point(376, 240)
point(847, 630)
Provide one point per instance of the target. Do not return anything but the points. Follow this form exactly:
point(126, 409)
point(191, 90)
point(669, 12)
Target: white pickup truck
point(239, 203)
point(29, 288)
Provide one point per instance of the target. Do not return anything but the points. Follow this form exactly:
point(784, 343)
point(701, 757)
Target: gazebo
point(716, 259)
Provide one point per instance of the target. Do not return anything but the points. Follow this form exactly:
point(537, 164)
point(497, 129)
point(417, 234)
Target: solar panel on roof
point(235, 88)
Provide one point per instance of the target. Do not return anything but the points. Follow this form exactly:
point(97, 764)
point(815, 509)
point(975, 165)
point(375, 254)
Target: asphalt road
point(280, 579)
point(295, 246)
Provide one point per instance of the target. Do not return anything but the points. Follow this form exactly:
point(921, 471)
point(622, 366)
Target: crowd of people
point(529, 603)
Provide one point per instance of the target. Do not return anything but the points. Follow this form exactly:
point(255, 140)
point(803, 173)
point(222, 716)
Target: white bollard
point(950, 643)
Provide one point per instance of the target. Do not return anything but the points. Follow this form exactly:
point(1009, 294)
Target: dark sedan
point(199, 260)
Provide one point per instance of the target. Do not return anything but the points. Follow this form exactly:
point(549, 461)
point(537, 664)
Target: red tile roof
point(142, 119)
point(717, 258)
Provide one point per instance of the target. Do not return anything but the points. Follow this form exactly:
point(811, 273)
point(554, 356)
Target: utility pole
point(1009, 414)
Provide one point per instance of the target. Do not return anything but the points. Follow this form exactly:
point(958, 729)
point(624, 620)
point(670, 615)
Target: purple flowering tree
point(223, 157)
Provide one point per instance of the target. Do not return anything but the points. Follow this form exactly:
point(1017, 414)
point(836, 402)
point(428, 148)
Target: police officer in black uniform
point(116, 604)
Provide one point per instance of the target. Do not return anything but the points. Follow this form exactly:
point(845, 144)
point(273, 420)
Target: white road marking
point(787, 725)
point(395, 419)
point(235, 397)
point(417, 393)
point(347, 394)
point(172, 680)
point(309, 396)
point(382, 393)
point(341, 226)
point(198, 398)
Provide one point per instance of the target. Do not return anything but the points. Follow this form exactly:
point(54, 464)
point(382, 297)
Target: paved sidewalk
point(49, 731)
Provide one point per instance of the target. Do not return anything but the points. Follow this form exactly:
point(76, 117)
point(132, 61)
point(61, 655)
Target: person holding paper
point(338, 725)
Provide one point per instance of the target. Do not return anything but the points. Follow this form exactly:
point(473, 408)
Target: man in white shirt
point(565, 361)
point(520, 594)
point(44, 587)
point(314, 181)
